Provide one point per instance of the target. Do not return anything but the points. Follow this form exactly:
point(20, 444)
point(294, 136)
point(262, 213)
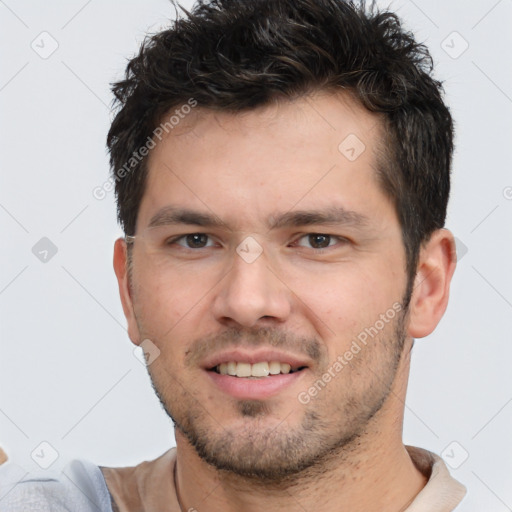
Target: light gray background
point(68, 375)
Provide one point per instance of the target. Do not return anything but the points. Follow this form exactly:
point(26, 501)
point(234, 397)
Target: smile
point(255, 370)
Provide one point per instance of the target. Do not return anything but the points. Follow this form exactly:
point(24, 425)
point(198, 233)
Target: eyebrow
point(333, 215)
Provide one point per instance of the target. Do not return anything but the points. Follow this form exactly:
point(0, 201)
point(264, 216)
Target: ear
point(121, 270)
point(436, 265)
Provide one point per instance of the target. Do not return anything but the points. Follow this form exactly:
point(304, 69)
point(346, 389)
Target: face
point(264, 245)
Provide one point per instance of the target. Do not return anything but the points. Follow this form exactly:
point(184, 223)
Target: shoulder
point(145, 486)
point(80, 486)
point(442, 491)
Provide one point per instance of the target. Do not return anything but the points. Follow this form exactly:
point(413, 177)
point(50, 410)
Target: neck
point(383, 480)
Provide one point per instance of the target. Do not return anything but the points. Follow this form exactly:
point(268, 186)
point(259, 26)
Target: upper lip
point(244, 356)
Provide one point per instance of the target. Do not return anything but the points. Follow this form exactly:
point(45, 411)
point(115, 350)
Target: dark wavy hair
point(235, 55)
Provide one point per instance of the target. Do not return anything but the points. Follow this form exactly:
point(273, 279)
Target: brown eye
point(194, 241)
point(316, 241)
point(319, 241)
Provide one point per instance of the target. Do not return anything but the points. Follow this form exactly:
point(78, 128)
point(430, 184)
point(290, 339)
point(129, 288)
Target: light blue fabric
point(80, 487)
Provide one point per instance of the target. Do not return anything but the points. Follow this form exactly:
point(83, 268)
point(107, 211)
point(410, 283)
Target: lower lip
point(254, 389)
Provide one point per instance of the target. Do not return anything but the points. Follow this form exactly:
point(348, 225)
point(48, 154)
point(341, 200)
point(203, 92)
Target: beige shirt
point(149, 486)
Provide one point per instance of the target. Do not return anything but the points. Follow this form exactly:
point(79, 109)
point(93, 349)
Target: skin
point(345, 445)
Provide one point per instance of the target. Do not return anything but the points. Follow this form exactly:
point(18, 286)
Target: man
point(282, 171)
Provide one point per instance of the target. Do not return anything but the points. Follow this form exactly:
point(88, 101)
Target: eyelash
point(340, 239)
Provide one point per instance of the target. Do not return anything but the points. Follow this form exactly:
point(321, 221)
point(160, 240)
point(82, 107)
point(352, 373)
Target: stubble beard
point(332, 425)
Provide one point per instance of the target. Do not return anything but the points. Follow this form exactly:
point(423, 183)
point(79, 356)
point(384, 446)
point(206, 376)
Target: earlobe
point(436, 265)
point(121, 271)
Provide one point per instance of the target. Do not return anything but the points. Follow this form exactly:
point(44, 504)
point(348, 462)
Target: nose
point(251, 292)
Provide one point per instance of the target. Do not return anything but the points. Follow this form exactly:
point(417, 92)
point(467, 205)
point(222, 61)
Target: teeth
point(262, 369)
point(274, 368)
point(285, 368)
point(243, 370)
point(232, 368)
point(259, 370)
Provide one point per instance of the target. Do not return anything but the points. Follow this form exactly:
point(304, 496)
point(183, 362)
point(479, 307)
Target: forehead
point(313, 151)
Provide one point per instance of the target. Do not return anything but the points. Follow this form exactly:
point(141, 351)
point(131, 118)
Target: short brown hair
point(236, 55)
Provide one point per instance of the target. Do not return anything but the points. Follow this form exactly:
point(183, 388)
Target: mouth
point(255, 376)
point(258, 370)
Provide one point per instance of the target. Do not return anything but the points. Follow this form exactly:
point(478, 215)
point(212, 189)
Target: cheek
point(163, 300)
point(340, 304)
